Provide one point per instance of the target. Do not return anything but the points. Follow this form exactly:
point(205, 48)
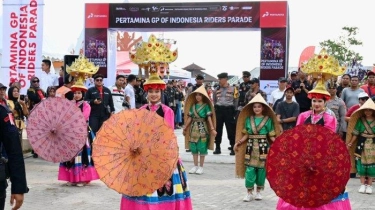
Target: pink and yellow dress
point(328, 120)
point(80, 168)
point(175, 194)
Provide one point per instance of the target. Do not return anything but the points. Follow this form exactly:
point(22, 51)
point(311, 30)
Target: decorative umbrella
point(308, 166)
point(56, 129)
point(135, 152)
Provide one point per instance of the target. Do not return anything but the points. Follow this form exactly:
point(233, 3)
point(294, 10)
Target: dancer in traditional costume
point(361, 143)
point(320, 115)
point(199, 129)
point(175, 194)
point(80, 170)
point(255, 131)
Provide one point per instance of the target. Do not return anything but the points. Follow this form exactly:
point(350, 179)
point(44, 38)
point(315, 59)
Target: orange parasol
point(135, 152)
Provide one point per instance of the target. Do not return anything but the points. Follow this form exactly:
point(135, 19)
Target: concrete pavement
point(216, 189)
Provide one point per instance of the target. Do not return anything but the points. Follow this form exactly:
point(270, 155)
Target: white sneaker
point(193, 170)
point(258, 196)
point(80, 185)
point(368, 189)
point(199, 171)
point(248, 197)
point(362, 189)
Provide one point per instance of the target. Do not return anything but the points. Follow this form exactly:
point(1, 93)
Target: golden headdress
point(153, 55)
point(81, 69)
point(323, 67)
point(154, 82)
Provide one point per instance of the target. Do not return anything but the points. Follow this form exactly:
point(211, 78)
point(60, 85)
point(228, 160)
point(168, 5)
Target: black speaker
point(68, 60)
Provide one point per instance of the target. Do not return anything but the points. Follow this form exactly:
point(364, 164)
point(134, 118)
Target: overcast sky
point(310, 23)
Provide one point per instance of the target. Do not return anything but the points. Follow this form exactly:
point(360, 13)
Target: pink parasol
point(56, 129)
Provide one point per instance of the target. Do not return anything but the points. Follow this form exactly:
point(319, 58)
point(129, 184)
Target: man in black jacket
point(101, 102)
point(9, 136)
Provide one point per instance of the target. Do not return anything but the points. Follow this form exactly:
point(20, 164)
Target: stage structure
point(112, 30)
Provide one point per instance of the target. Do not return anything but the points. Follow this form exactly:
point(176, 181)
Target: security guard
point(337, 105)
point(243, 89)
point(225, 99)
point(9, 136)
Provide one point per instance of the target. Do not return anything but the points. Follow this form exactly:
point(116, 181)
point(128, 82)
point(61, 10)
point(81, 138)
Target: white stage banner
point(22, 41)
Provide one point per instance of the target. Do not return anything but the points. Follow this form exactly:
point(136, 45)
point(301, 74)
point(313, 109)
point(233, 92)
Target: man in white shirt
point(47, 78)
point(280, 92)
point(129, 90)
point(118, 93)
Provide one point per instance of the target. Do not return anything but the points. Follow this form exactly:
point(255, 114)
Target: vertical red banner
point(96, 25)
point(273, 53)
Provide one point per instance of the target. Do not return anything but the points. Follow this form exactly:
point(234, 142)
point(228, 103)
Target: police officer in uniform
point(243, 89)
point(9, 137)
point(226, 100)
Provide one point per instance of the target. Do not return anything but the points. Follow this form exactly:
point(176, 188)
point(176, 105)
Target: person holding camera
point(118, 93)
point(16, 103)
point(301, 88)
point(101, 102)
point(14, 166)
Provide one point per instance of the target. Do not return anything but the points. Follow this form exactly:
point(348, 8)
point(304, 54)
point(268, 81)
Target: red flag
point(306, 54)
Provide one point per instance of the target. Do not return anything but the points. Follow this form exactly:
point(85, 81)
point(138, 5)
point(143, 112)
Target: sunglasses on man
point(36, 81)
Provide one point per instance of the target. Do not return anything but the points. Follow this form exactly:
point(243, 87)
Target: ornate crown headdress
point(153, 55)
point(323, 67)
point(81, 69)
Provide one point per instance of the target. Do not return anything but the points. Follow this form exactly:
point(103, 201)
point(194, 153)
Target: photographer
point(17, 105)
point(301, 88)
point(101, 102)
point(15, 164)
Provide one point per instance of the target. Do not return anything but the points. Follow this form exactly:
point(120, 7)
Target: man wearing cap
point(287, 110)
point(278, 95)
point(245, 86)
point(225, 101)
point(101, 102)
point(362, 98)
point(293, 77)
point(369, 88)
point(254, 90)
point(199, 79)
point(301, 88)
point(337, 105)
point(350, 94)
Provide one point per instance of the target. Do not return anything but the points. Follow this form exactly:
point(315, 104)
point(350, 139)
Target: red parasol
point(56, 129)
point(308, 166)
point(135, 152)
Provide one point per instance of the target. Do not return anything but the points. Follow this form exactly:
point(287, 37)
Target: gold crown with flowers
point(153, 50)
point(323, 66)
point(81, 69)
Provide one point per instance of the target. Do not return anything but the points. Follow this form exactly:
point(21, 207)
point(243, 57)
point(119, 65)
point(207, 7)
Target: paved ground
point(216, 189)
